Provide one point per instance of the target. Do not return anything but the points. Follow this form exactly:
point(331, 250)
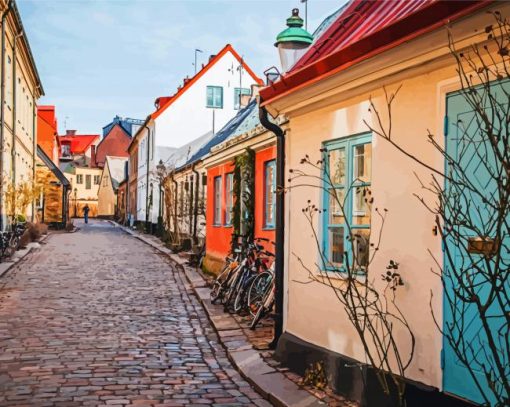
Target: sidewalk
point(246, 349)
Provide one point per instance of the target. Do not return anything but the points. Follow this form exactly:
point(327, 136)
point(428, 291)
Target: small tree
point(367, 295)
point(19, 197)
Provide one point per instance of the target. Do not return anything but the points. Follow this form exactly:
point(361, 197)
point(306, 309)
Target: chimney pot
point(70, 132)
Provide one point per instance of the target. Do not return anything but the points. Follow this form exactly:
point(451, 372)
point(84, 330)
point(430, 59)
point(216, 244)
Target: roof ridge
point(199, 74)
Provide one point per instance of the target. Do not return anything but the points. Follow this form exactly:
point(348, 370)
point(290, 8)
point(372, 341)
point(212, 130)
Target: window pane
point(270, 192)
point(229, 187)
point(336, 202)
point(363, 162)
point(337, 166)
point(361, 205)
point(360, 248)
point(336, 246)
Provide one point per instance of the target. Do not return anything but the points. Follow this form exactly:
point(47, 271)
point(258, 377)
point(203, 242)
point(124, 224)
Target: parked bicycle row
point(245, 285)
point(9, 240)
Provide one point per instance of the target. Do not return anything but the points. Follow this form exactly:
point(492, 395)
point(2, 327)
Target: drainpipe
point(147, 181)
point(14, 108)
point(176, 194)
point(280, 221)
point(34, 151)
point(2, 115)
point(197, 190)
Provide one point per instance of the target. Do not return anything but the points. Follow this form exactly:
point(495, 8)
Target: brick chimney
point(93, 163)
point(70, 132)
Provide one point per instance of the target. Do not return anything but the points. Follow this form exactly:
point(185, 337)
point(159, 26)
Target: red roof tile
point(364, 29)
point(80, 142)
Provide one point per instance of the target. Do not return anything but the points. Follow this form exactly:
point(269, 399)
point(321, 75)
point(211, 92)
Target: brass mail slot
point(483, 245)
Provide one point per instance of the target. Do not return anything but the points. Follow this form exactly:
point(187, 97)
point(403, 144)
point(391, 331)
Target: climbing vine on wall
point(244, 191)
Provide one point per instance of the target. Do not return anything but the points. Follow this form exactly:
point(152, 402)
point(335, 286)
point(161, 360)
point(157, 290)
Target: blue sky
point(99, 58)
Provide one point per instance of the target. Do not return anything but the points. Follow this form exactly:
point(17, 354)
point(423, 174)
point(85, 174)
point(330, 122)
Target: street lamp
point(293, 41)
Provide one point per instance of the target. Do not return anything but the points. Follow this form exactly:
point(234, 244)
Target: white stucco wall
point(188, 117)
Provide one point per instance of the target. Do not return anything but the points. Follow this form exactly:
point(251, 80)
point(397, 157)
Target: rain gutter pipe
point(2, 115)
point(147, 177)
point(14, 108)
point(280, 221)
point(176, 194)
point(197, 190)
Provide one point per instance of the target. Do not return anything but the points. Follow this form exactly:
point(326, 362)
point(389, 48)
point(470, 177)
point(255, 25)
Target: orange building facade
point(221, 200)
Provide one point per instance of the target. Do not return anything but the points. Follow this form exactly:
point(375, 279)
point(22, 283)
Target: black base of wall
point(354, 381)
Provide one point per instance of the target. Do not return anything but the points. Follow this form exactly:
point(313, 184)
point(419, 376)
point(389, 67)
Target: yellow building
point(19, 94)
point(84, 188)
point(114, 172)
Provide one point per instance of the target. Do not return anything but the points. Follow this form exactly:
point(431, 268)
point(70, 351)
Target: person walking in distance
point(86, 210)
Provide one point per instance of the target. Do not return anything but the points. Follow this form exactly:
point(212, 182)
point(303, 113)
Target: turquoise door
point(470, 252)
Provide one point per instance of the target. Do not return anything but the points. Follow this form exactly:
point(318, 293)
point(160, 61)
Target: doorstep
point(270, 382)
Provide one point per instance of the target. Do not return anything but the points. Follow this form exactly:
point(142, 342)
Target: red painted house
point(248, 138)
point(77, 145)
point(47, 135)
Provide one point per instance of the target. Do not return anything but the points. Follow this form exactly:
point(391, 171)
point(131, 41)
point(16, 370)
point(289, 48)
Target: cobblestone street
point(99, 318)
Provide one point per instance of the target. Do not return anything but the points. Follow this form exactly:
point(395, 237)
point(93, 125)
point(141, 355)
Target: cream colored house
point(18, 98)
point(84, 188)
point(114, 172)
point(326, 97)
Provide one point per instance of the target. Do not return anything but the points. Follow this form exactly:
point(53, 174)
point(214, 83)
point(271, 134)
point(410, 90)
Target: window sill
point(269, 228)
point(228, 226)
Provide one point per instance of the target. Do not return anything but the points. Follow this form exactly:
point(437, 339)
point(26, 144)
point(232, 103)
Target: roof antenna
point(306, 13)
point(195, 64)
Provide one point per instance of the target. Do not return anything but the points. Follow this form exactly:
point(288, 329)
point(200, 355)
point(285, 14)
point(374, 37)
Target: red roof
point(364, 29)
point(80, 142)
point(191, 81)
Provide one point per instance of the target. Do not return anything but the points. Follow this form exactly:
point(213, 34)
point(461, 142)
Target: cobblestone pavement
point(99, 318)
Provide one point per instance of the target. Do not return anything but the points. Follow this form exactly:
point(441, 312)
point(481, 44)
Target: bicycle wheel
point(260, 286)
point(234, 288)
point(264, 308)
point(241, 298)
point(218, 285)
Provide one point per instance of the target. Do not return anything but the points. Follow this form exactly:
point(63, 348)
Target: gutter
point(2, 114)
point(175, 200)
point(280, 221)
point(436, 15)
point(195, 211)
point(14, 109)
point(147, 170)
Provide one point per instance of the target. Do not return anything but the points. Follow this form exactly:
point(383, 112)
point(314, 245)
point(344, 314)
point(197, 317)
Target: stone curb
point(270, 383)
point(19, 255)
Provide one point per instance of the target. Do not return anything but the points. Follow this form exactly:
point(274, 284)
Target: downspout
point(2, 116)
point(197, 190)
point(34, 151)
point(14, 108)
point(191, 199)
point(280, 221)
point(175, 200)
point(147, 177)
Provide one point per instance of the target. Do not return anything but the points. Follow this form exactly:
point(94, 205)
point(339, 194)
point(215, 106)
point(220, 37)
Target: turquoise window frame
point(348, 144)
point(217, 201)
point(267, 224)
point(237, 97)
point(229, 198)
point(211, 97)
